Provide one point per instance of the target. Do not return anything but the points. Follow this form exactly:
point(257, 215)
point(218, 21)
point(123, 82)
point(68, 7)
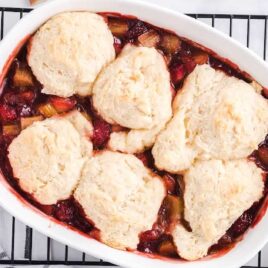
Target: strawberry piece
point(146, 157)
point(177, 73)
point(102, 131)
point(187, 59)
point(62, 104)
point(189, 66)
point(149, 235)
point(7, 113)
point(143, 158)
point(117, 45)
point(26, 97)
point(138, 29)
point(64, 211)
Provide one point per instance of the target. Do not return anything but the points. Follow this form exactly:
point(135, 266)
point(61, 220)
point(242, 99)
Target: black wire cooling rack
point(245, 29)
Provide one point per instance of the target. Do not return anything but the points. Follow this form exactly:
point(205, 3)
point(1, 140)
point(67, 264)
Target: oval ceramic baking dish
point(183, 26)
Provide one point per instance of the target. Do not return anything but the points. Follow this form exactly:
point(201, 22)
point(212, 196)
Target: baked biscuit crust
point(68, 51)
point(121, 196)
point(215, 117)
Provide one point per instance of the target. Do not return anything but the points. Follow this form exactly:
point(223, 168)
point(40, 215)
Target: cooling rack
point(251, 30)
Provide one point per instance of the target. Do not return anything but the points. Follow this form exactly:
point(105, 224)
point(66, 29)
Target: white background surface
point(186, 6)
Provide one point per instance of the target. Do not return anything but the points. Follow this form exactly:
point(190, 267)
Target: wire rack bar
point(29, 231)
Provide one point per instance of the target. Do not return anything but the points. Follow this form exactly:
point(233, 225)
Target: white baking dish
point(253, 241)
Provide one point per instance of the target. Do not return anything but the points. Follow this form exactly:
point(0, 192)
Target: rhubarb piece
point(7, 113)
point(170, 43)
point(118, 27)
point(27, 121)
point(11, 130)
point(62, 104)
point(175, 207)
point(22, 77)
point(167, 248)
point(200, 57)
point(177, 73)
point(47, 110)
point(149, 39)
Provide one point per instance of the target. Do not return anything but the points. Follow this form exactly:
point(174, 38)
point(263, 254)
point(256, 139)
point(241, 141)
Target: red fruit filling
point(21, 98)
point(7, 113)
point(70, 212)
point(137, 29)
point(147, 158)
point(102, 131)
point(177, 73)
point(170, 183)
